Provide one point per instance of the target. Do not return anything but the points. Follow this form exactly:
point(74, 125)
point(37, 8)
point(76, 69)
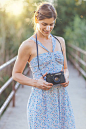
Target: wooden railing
point(14, 86)
point(78, 57)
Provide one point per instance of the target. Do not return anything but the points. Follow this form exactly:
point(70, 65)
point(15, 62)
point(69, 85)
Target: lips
point(46, 32)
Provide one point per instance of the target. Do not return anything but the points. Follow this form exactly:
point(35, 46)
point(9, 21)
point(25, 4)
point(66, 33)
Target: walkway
point(16, 118)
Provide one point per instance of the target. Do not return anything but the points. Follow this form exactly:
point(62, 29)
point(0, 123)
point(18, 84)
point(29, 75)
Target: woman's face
point(46, 26)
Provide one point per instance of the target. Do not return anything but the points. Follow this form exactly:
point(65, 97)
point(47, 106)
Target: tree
point(67, 10)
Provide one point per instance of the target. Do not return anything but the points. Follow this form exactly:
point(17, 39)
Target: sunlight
point(3, 2)
point(13, 7)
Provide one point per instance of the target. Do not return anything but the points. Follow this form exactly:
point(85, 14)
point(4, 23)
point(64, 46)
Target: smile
point(46, 31)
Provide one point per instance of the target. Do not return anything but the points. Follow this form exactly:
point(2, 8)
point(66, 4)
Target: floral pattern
point(49, 109)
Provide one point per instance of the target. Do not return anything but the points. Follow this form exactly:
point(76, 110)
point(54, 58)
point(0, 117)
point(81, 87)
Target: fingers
point(65, 84)
point(43, 75)
point(46, 85)
point(46, 88)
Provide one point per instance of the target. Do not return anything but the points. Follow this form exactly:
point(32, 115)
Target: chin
point(46, 34)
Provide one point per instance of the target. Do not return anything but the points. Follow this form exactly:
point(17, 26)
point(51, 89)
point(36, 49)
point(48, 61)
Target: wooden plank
point(78, 58)
point(82, 71)
point(11, 94)
point(17, 85)
point(6, 102)
point(8, 63)
point(75, 64)
point(9, 81)
point(8, 99)
point(78, 68)
point(77, 48)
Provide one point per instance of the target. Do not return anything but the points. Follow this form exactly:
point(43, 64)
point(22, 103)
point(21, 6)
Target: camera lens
point(56, 78)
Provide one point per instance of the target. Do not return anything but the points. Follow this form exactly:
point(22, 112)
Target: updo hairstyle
point(45, 11)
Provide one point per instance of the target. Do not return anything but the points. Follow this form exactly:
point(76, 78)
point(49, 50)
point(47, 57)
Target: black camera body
point(55, 78)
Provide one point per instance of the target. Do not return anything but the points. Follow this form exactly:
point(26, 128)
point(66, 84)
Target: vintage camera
point(55, 78)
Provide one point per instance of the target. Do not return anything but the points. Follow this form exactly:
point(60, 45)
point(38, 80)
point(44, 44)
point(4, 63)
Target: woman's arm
point(20, 63)
point(65, 60)
point(66, 72)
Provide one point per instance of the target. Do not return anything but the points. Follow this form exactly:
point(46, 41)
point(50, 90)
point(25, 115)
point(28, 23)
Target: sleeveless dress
point(49, 109)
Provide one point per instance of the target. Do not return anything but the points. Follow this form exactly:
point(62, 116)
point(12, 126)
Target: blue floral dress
point(49, 109)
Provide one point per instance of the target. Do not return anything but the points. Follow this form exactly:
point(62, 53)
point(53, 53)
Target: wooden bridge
point(15, 117)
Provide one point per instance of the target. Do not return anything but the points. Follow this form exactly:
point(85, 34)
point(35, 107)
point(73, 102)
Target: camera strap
point(38, 56)
point(61, 48)
point(59, 42)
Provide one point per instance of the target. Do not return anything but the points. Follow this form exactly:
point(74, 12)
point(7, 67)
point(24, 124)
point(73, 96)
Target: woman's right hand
point(42, 84)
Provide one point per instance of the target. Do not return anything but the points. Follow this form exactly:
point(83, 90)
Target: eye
point(52, 24)
point(44, 24)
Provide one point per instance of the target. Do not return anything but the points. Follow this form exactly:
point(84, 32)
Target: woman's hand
point(66, 83)
point(42, 84)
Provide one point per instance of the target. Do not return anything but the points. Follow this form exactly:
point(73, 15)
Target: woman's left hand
point(66, 83)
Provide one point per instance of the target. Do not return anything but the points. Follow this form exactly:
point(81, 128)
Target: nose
point(48, 28)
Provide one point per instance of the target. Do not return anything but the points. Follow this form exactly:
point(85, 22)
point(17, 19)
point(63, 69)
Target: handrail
point(77, 48)
point(74, 55)
point(5, 85)
point(7, 63)
point(14, 87)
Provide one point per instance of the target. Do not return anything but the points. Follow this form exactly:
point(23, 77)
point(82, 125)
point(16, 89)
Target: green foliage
point(67, 10)
point(3, 80)
point(76, 34)
point(15, 29)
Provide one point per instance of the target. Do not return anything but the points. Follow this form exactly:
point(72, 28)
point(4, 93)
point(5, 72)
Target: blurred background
point(17, 24)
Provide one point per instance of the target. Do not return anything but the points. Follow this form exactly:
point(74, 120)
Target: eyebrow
point(47, 23)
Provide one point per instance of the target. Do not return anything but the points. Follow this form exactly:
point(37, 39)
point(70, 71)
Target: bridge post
point(79, 55)
point(13, 88)
point(22, 86)
point(85, 69)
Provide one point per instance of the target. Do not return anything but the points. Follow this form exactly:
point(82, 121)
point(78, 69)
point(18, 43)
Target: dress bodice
point(50, 62)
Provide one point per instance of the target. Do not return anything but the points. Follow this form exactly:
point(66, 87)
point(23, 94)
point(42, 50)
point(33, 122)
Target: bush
point(75, 33)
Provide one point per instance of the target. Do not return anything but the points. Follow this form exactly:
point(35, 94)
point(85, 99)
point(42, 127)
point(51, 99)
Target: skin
point(26, 53)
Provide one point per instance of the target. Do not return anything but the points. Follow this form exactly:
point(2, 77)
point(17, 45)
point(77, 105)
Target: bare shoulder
point(62, 41)
point(26, 45)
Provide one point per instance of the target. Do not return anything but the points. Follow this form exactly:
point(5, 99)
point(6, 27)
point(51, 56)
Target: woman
point(49, 105)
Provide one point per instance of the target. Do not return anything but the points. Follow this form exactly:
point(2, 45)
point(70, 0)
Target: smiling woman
point(12, 7)
point(48, 106)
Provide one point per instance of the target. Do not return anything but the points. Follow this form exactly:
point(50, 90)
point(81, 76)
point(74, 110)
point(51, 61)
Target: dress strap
point(39, 43)
point(33, 39)
point(53, 43)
